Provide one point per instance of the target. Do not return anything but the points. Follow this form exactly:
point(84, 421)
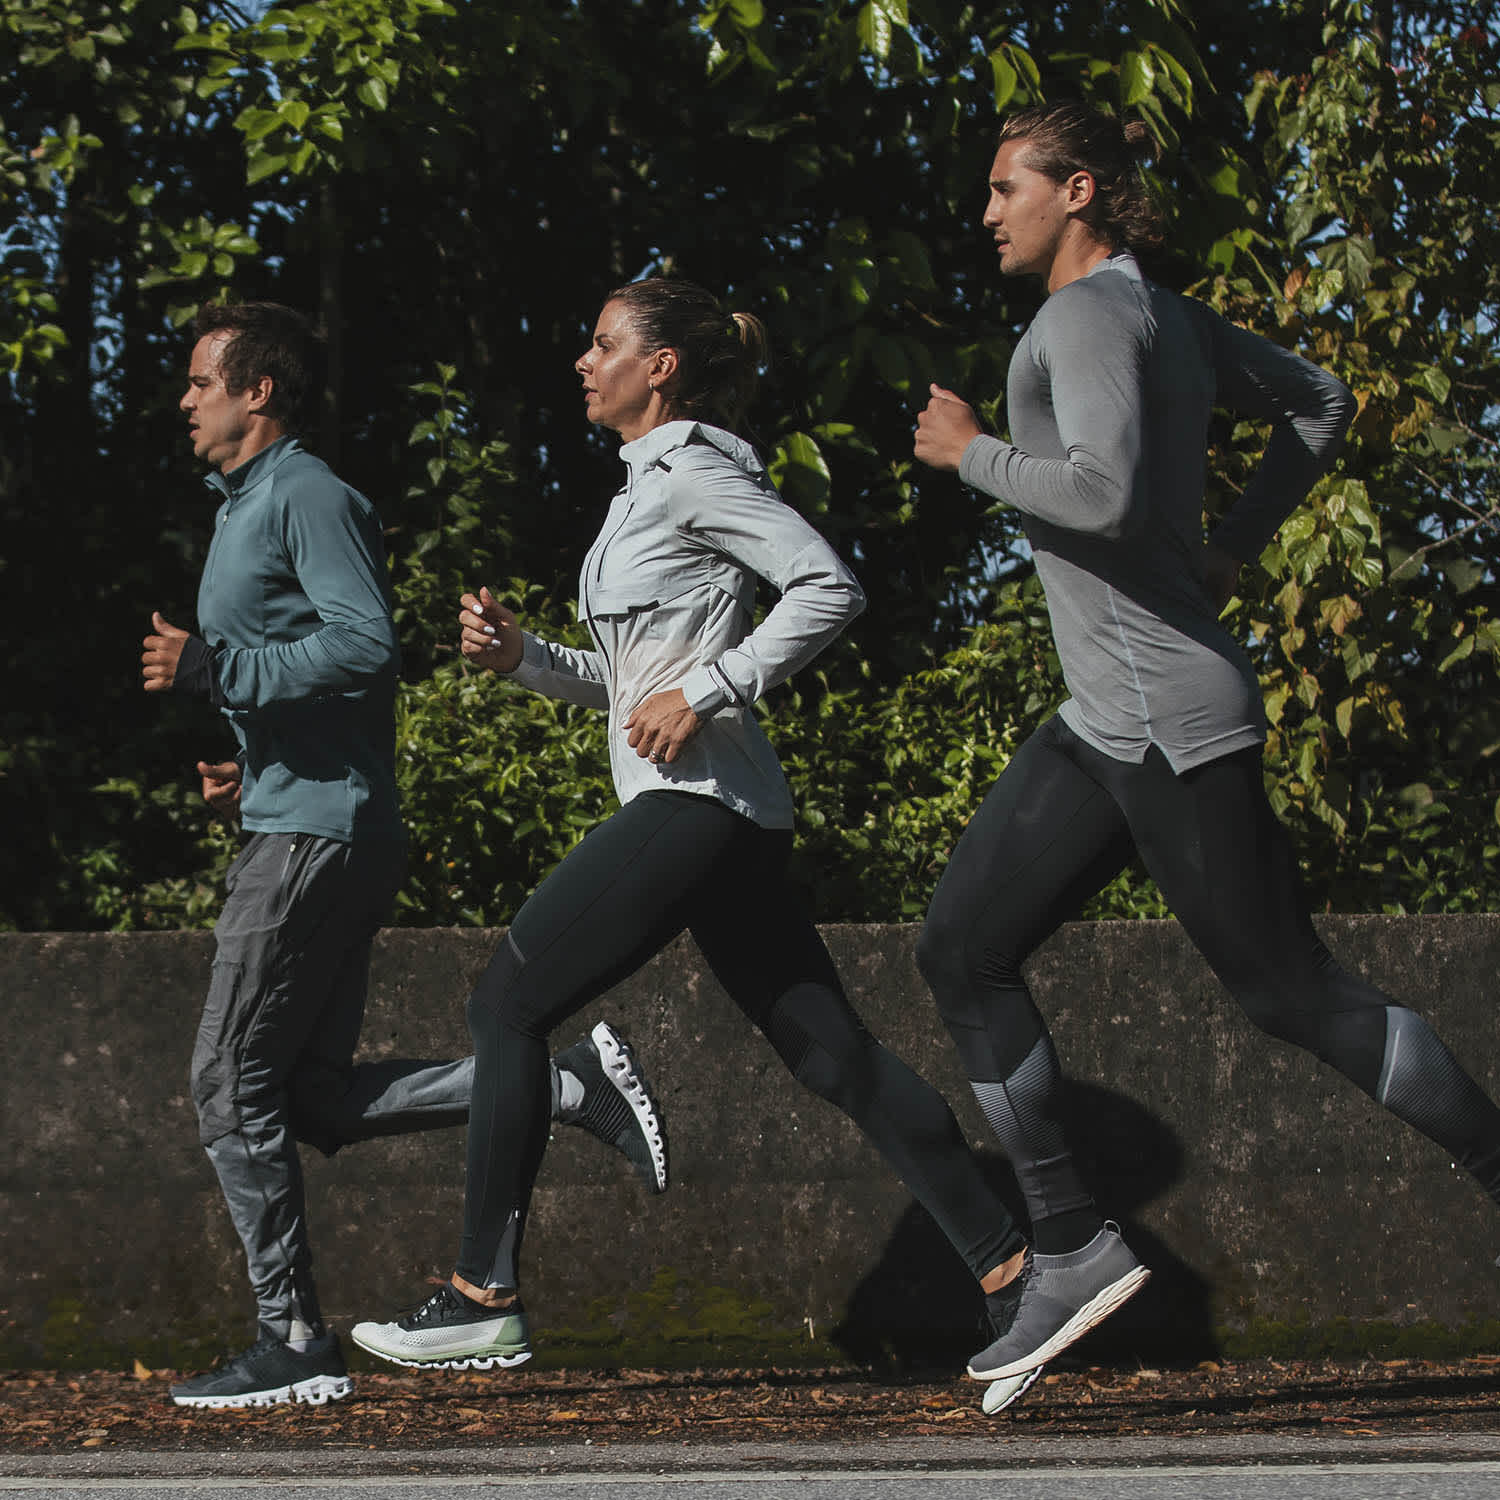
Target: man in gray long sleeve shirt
point(1110, 392)
point(1156, 752)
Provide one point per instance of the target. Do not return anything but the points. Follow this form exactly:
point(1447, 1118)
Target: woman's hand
point(662, 725)
point(491, 637)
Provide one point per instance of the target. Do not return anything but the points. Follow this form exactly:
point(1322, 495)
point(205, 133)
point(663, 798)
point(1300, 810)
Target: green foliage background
point(454, 188)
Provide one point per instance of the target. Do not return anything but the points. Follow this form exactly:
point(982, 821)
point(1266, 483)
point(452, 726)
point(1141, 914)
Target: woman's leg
point(1228, 871)
point(1045, 839)
point(767, 954)
point(618, 898)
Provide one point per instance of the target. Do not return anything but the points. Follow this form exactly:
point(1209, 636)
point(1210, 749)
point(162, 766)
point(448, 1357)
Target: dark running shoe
point(1000, 1310)
point(617, 1104)
point(450, 1332)
point(270, 1372)
point(1000, 1307)
point(1063, 1296)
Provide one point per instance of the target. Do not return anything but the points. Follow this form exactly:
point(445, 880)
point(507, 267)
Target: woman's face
point(622, 381)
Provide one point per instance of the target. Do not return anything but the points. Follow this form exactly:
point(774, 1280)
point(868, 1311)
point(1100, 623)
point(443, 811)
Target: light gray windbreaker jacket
point(668, 591)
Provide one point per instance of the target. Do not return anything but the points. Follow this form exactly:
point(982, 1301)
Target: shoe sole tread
point(629, 1081)
point(316, 1391)
point(462, 1362)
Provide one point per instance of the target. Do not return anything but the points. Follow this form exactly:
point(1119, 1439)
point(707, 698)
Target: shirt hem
point(360, 834)
point(1179, 758)
point(760, 816)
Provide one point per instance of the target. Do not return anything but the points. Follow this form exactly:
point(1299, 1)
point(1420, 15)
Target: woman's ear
point(664, 365)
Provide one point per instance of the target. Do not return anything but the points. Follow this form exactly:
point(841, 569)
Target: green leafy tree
point(454, 188)
point(1375, 612)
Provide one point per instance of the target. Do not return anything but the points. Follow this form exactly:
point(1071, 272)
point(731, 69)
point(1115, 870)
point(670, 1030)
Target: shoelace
point(441, 1302)
point(264, 1345)
point(445, 1300)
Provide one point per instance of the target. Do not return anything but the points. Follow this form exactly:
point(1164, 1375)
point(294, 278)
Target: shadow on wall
point(919, 1308)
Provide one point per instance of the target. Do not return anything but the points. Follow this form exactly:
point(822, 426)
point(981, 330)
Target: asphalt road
point(1268, 1467)
point(1403, 1482)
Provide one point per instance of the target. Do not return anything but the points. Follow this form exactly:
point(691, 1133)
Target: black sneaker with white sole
point(270, 1372)
point(617, 1104)
point(451, 1332)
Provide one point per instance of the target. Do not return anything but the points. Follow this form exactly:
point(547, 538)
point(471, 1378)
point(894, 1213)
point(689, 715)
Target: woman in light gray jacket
point(704, 831)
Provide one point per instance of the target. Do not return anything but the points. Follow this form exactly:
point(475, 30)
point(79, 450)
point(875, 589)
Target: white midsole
point(463, 1362)
point(314, 1392)
point(619, 1069)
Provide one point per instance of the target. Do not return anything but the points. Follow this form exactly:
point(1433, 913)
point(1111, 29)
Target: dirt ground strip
point(44, 1412)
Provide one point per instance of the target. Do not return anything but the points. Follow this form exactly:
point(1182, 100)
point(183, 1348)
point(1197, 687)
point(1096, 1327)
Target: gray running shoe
point(1064, 1296)
point(449, 1332)
point(617, 1104)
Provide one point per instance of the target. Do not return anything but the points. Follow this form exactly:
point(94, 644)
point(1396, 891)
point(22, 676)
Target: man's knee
point(939, 955)
point(951, 960)
point(237, 1096)
point(1346, 1032)
point(214, 1083)
point(966, 984)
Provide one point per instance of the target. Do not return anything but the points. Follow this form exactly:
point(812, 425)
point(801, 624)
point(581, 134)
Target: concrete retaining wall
point(1278, 1207)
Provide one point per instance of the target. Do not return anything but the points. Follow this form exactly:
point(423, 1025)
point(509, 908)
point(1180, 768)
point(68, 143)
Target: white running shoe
point(449, 1332)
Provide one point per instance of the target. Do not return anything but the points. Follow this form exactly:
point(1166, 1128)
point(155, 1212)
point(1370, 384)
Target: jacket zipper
point(598, 570)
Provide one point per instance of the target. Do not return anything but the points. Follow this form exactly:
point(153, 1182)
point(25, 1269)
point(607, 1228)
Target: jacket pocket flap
point(605, 602)
point(633, 596)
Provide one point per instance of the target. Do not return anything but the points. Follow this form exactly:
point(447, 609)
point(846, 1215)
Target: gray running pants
point(274, 1059)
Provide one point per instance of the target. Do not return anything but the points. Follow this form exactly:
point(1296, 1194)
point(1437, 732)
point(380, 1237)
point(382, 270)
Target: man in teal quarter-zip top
point(298, 650)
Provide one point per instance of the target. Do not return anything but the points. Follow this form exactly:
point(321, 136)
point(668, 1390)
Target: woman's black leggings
point(668, 861)
point(1059, 824)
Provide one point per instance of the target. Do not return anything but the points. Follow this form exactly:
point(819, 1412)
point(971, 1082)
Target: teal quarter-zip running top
point(295, 599)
